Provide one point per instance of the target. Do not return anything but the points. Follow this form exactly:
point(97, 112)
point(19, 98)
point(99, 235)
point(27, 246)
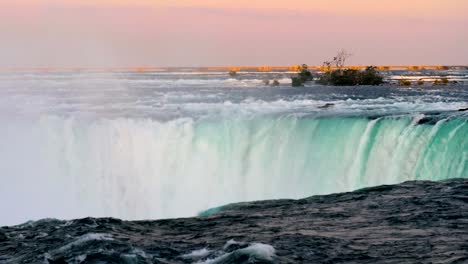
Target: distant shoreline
point(228, 68)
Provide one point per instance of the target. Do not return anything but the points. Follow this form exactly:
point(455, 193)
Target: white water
point(145, 169)
point(72, 148)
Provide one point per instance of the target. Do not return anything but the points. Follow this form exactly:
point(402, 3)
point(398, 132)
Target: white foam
point(201, 253)
point(260, 251)
point(257, 251)
point(84, 239)
point(417, 118)
point(230, 243)
point(80, 258)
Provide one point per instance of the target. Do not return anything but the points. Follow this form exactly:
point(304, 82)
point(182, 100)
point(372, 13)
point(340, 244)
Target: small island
point(336, 74)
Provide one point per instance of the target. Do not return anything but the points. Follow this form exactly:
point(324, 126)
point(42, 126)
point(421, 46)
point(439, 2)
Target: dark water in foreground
point(415, 222)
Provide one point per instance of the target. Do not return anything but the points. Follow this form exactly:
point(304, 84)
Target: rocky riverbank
point(414, 222)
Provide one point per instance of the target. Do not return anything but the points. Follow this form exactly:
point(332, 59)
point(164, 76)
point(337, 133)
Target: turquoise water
point(340, 154)
point(74, 147)
point(330, 155)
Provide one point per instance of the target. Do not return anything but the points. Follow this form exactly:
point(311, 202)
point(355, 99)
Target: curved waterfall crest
point(142, 168)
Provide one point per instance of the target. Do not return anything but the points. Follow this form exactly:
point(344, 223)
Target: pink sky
point(90, 33)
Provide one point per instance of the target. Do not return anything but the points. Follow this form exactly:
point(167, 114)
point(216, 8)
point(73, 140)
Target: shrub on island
point(339, 76)
point(272, 83)
point(303, 76)
point(404, 82)
point(296, 82)
point(444, 81)
point(371, 76)
point(232, 73)
point(351, 77)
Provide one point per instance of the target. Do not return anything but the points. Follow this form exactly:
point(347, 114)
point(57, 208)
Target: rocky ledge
point(413, 222)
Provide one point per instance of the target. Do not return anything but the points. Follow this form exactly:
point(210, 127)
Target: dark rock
point(327, 105)
point(427, 120)
point(431, 118)
point(413, 222)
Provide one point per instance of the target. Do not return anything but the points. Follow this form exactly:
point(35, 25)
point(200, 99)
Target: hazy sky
point(86, 33)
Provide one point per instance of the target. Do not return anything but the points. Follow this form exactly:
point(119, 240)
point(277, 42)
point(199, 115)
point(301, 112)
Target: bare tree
point(340, 59)
point(328, 65)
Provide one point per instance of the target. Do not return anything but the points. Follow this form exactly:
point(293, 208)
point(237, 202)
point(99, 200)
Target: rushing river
point(171, 144)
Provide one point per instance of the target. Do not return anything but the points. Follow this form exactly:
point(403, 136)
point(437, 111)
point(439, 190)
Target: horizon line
point(262, 68)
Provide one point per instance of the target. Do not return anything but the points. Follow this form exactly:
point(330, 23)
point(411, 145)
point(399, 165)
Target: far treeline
point(339, 76)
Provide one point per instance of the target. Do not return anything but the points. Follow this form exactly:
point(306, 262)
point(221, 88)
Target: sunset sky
point(119, 33)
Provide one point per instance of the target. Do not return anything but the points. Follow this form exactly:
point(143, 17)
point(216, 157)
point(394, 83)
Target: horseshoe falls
point(172, 144)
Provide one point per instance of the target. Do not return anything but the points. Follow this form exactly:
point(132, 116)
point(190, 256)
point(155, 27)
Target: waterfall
point(67, 167)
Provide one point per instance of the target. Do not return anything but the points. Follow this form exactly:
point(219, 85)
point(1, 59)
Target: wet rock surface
point(414, 222)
